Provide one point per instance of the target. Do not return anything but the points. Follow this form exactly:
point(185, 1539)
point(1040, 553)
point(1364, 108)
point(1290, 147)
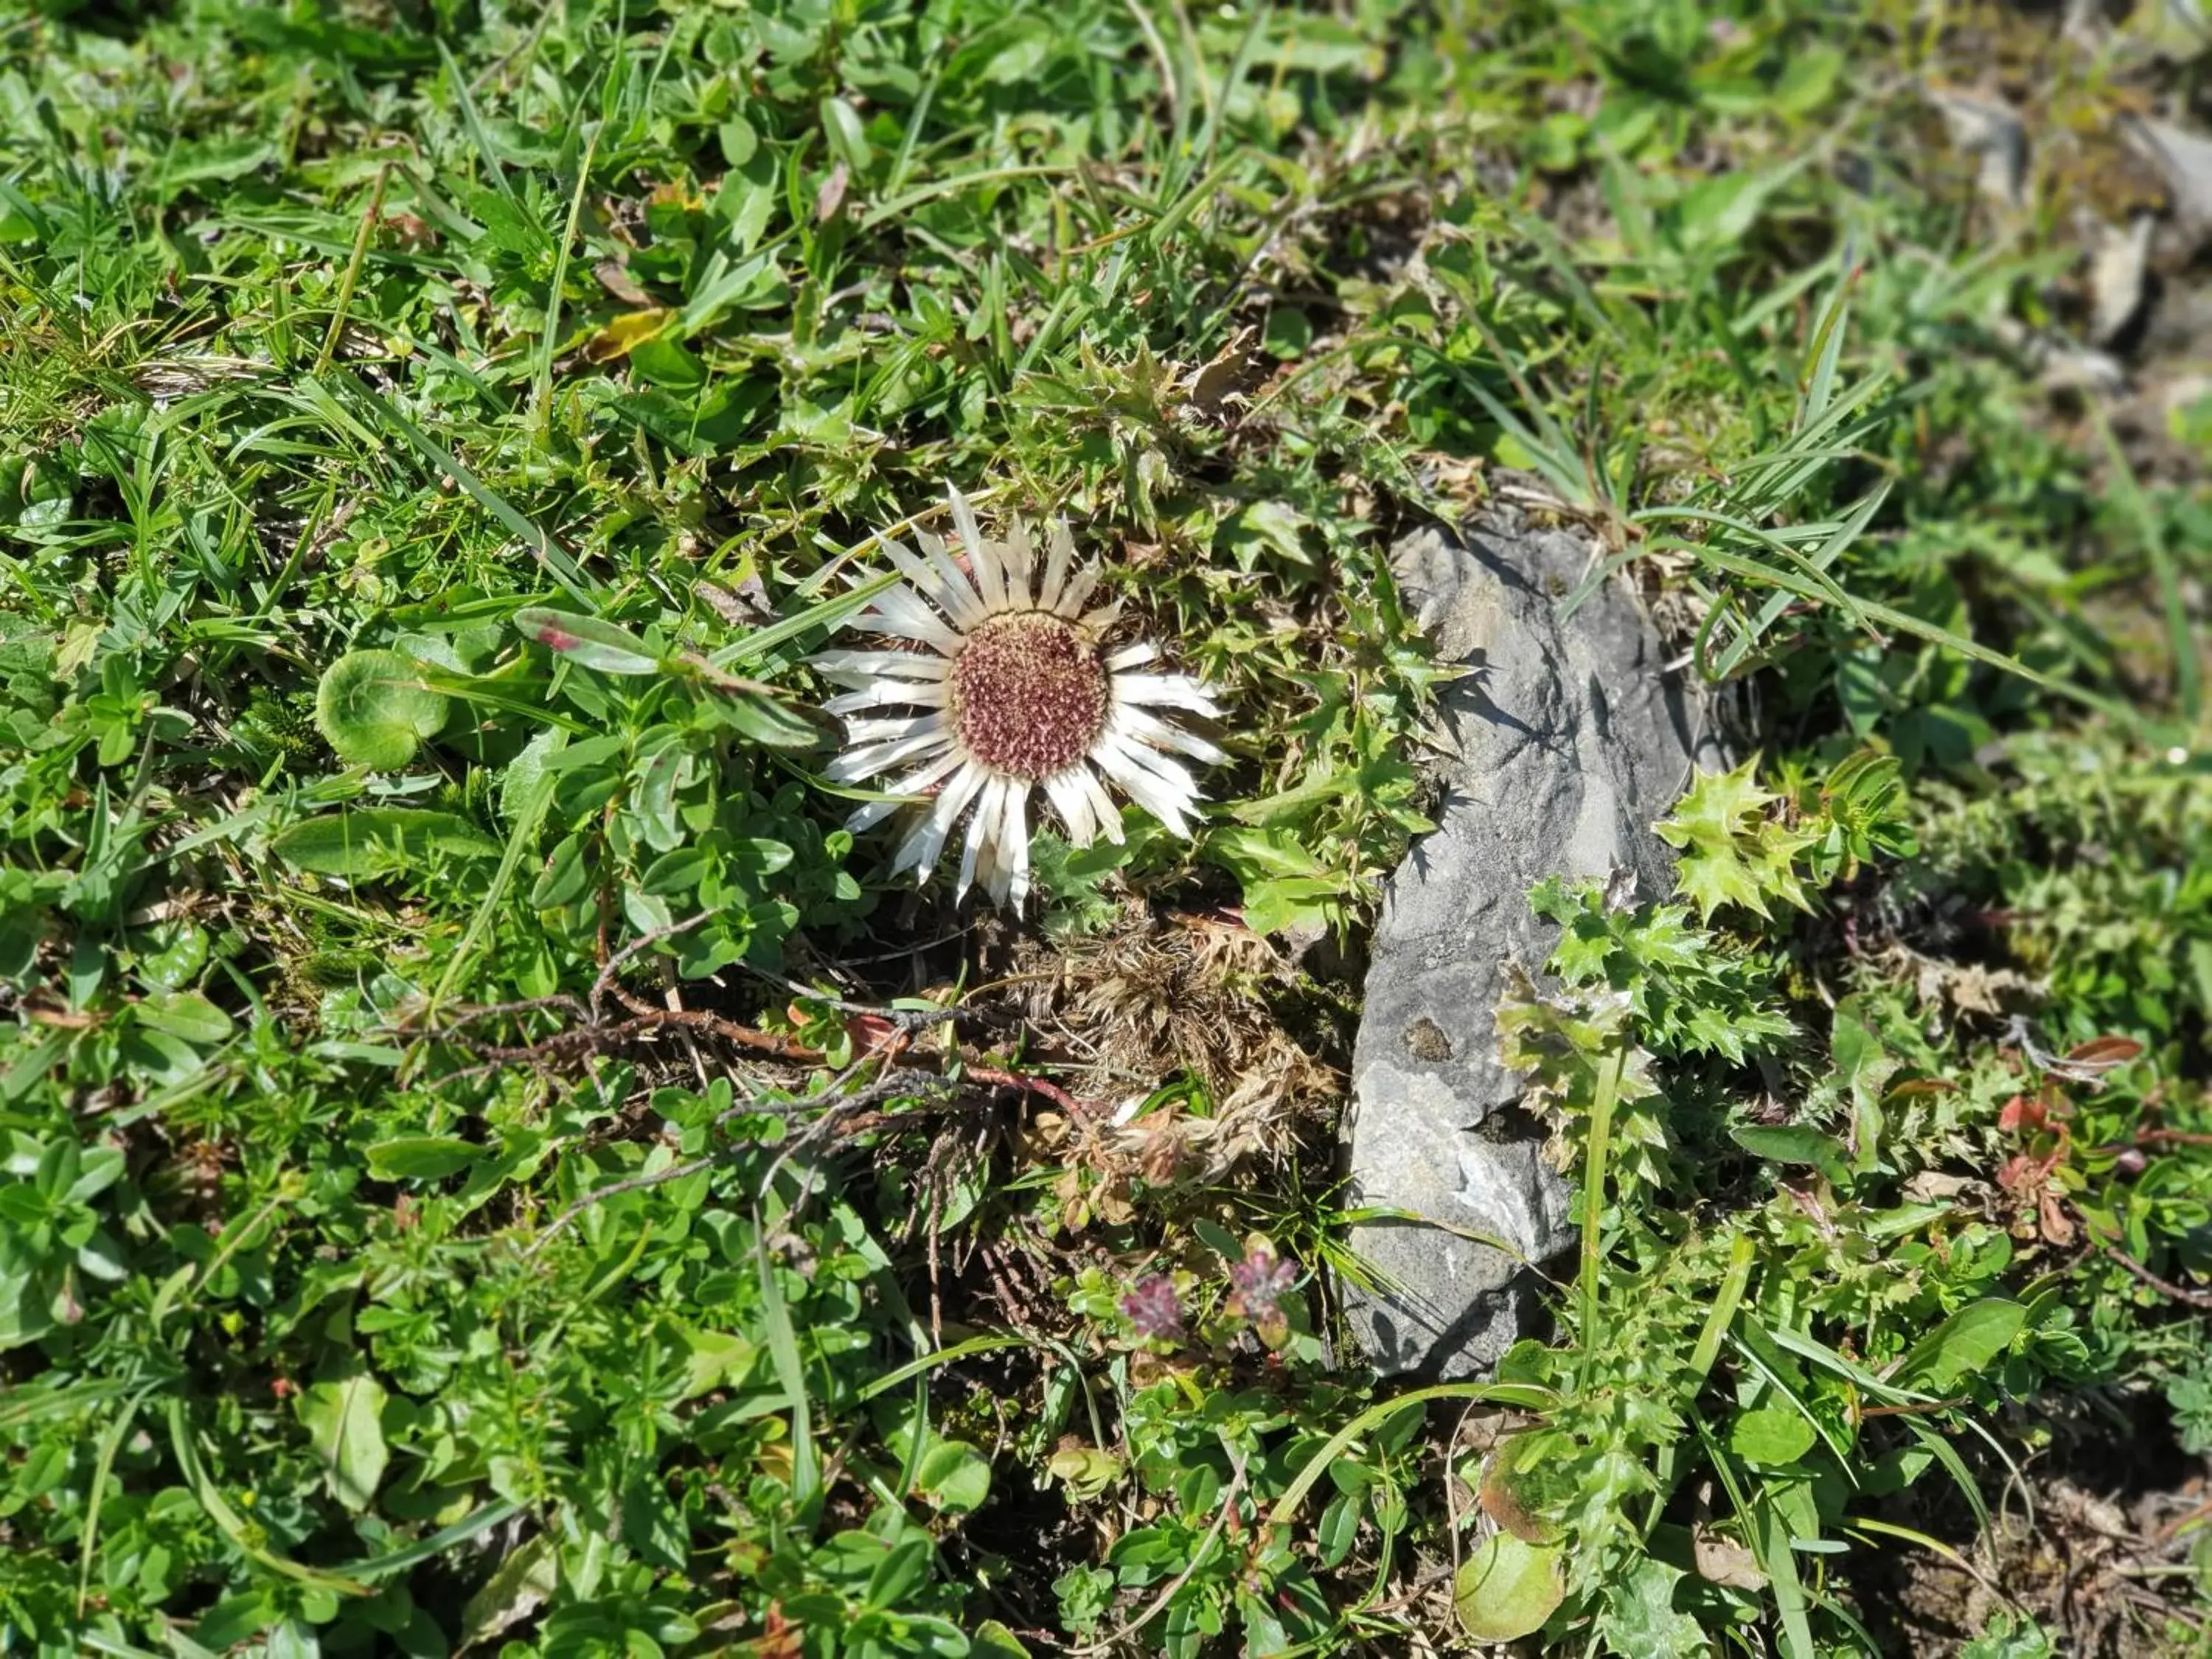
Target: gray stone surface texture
point(1569, 737)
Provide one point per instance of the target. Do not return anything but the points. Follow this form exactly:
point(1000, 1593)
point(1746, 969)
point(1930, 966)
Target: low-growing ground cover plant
point(499, 1154)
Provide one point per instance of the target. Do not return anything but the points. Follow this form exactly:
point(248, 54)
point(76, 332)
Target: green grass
point(489, 1161)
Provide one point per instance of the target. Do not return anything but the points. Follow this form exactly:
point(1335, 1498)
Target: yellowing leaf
point(626, 333)
point(1085, 1471)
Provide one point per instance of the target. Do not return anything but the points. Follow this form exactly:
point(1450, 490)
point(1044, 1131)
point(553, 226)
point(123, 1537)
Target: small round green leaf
point(1507, 1589)
point(374, 710)
point(1775, 1436)
point(954, 1477)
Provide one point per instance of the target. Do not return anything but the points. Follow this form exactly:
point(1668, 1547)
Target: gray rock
point(2119, 279)
point(2184, 158)
point(1994, 136)
point(1570, 739)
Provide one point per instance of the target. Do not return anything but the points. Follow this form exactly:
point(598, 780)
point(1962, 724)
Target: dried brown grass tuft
point(1178, 993)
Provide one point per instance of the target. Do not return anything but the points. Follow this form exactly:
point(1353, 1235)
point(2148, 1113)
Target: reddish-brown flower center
point(1029, 695)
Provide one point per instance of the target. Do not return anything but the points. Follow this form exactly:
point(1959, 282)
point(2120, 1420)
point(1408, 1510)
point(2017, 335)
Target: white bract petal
point(1058, 561)
point(1014, 851)
point(946, 596)
point(982, 556)
point(899, 613)
point(900, 793)
point(1144, 726)
point(883, 694)
point(1073, 802)
point(1170, 690)
point(1019, 562)
point(891, 731)
point(1102, 805)
point(926, 841)
point(1078, 590)
point(858, 667)
point(866, 760)
point(981, 827)
point(963, 589)
point(1097, 623)
point(1138, 771)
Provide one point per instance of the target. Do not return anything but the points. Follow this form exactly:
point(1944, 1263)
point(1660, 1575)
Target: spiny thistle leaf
point(1732, 852)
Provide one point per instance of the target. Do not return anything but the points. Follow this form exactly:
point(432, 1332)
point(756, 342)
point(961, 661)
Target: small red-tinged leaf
point(780, 1638)
point(872, 1034)
point(2024, 1176)
point(588, 640)
point(2020, 1115)
point(1505, 1477)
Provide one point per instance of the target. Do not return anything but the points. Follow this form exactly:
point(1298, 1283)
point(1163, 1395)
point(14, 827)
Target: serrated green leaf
point(1640, 1616)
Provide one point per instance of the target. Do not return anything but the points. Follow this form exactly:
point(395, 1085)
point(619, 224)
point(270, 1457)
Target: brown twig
point(2173, 1529)
point(2180, 1293)
point(470, 1016)
point(597, 1031)
point(906, 1018)
point(643, 942)
point(745, 1037)
point(648, 1021)
point(1918, 1408)
point(615, 1189)
point(1035, 1085)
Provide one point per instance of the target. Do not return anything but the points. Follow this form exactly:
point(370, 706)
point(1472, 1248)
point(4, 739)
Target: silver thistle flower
point(1012, 688)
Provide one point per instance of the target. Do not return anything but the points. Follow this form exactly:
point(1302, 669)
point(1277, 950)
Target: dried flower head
point(1012, 688)
point(1258, 1285)
point(1152, 1308)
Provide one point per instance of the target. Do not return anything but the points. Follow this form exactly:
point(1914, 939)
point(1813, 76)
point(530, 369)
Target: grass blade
point(2181, 639)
